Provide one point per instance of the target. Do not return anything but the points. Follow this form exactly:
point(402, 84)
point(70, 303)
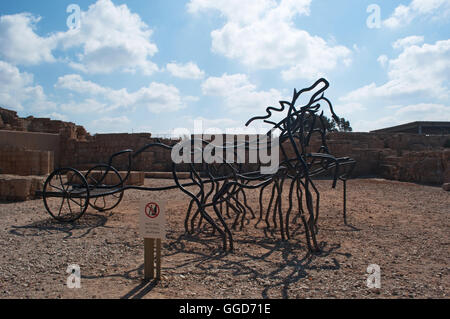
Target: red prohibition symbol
point(152, 210)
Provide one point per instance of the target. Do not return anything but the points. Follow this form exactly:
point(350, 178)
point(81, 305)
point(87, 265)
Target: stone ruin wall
point(404, 157)
point(24, 153)
point(10, 121)
point(68, 144)
point(98, 149)
point(21, 162)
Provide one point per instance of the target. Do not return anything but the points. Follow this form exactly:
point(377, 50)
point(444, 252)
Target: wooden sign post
point(153, 230)
point(152, 258)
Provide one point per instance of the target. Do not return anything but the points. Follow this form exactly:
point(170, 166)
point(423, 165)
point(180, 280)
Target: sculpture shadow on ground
point(278, 265)
point(141, 290)
point(50, 226)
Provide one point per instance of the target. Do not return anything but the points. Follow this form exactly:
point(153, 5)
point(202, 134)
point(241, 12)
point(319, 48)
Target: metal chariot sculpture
point(219, 190)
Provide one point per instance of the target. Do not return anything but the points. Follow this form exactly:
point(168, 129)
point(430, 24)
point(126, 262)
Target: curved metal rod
point(228, 183)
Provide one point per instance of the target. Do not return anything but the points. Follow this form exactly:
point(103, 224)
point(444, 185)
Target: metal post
point(345, 201)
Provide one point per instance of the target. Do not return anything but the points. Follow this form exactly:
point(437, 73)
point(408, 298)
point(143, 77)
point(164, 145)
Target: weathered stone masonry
point(34, 146)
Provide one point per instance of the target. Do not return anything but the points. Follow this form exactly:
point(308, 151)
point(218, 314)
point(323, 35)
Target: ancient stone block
point(166, 175)
point(19, 188)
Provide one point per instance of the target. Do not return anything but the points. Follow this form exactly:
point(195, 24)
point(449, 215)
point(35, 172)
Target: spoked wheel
point(66, 195)
point(104, 179)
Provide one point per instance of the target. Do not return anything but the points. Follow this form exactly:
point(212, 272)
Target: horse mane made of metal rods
point(297, 170)
point(297, 129)
point(229, 182)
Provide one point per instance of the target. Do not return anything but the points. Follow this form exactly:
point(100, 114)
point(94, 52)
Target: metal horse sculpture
point(298, 169)
point(227, 182)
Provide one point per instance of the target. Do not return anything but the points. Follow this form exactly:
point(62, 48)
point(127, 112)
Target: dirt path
point(402, 227)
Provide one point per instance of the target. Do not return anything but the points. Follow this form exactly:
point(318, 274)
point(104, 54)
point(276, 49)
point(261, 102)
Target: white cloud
point(191, 99)
point(239, 94)
point(382, 59)
point(419, 72)
point(84, 107)
point(347, 108)
point(407, 42)
point(261, 34)
point(19, 92)
point(244, 100)
point(244, 12)
point(57, 116)
point(209, 125)
point(189, 70)
point(406, 114)
point(403, 15)
point(75, 82)
point(157, 97)
point(113, 39)
point(424, 112)
point(110, 125)
point(417, 88)
point(224, 125)
point(19, 44)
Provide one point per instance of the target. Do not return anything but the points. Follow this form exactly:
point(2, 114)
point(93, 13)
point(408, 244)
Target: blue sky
point(154, 65)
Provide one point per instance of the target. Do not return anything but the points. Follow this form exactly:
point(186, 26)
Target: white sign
point(152, 219)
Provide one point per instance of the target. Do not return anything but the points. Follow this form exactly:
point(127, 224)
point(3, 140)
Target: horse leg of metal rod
point(308, 240)
point(247, 205)
point(270, 206)
point(211, 221)
point(238, 213)
point(225, 226)
point(205, 200)
point(316, 228)
point(199, 204)
point(310, 208)
point(277, 201)
point(244, 213)
point(186, 220)
point(261, 193)
point(299, 194)
point(275, 209)
point(288, 213)
point(194, 216)
point(280, 211)
point(218, 196)
point(200, 222)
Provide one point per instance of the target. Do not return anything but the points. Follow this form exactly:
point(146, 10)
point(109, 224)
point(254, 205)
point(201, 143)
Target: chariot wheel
point(100, 183)
point(66, 194)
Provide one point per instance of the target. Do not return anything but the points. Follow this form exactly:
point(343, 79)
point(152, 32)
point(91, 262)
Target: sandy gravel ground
point(402, 227)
